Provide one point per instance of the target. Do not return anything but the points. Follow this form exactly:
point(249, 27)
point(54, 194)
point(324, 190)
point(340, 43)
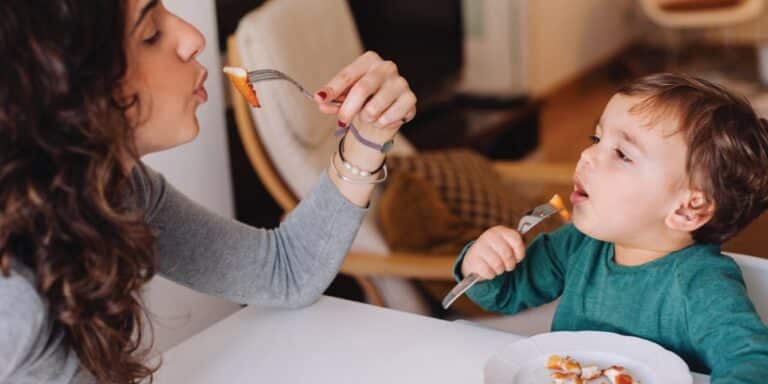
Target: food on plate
point(239, 78)
point(566, 378)
point(563, 364)
point(591, 372)
point(566, 370)
point(619, 375)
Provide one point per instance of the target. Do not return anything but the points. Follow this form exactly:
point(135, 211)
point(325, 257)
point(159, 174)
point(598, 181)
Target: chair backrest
point(755, 271)
point(291, 144)
point(702, 18)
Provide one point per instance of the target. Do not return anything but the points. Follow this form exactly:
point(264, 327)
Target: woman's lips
point(200, 91)
point(202, 94)
point(579, 195)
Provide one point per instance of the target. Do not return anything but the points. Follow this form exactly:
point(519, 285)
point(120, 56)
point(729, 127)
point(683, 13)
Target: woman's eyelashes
point(154, 38)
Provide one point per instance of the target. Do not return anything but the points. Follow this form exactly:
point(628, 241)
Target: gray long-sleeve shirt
point(290, 266)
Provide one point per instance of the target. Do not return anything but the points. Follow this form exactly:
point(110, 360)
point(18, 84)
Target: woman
point(86, 89)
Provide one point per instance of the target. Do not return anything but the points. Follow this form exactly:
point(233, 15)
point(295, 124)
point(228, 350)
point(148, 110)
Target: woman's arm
point(289, 266)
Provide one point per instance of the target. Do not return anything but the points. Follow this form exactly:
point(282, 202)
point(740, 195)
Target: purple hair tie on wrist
point(383, 148)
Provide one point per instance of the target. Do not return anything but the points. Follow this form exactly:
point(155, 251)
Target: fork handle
point(466, 283)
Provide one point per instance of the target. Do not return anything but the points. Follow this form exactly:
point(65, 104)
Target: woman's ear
point(691, 213)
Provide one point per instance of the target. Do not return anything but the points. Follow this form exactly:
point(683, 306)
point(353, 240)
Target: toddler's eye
point(622, 156)
point(594, 139)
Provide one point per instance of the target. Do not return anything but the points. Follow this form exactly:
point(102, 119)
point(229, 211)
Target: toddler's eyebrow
point(631, 139)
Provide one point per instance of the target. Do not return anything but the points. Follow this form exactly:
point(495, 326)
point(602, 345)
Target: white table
point(335, 341)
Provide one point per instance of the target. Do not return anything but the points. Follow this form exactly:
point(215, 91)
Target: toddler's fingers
point(495, 261)
point(485, 270)
point(514, 240)
point(499, 243)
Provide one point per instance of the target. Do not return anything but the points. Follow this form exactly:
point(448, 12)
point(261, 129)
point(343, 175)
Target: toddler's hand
point(496, 251)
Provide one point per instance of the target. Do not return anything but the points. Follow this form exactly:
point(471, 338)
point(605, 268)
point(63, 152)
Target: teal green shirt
point(692, 301)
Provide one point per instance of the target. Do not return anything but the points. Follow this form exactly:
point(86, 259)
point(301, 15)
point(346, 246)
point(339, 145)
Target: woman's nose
point(191, 41)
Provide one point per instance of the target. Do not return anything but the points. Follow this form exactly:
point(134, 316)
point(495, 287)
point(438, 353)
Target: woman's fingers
point(369, 86)
point(332, 108)
point(401, 111)
point(348, 76)
point(373, 94)
point(390, 92)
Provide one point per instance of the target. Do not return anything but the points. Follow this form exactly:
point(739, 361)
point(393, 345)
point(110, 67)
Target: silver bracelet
point(361, 181)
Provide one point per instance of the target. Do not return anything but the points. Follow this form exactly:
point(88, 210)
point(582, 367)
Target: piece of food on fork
point(239, 78)
point(557, 202)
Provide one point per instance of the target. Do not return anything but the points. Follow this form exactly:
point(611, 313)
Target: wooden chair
point(330, 40)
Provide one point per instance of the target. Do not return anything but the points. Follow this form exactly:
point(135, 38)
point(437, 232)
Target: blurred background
point(512, 80)
point(528, 78)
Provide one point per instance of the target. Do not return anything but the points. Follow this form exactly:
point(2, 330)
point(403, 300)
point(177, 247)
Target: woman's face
point(161, 51)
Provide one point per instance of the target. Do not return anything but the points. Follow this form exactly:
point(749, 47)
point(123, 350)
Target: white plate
point(524, 362)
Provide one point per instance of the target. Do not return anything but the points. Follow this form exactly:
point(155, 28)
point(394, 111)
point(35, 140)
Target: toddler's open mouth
point(578, 195)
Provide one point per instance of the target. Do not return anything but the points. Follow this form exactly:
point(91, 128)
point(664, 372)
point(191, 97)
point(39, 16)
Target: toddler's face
point(631, 177)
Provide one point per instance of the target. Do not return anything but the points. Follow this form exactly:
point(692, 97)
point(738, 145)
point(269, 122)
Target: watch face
point(386, 147)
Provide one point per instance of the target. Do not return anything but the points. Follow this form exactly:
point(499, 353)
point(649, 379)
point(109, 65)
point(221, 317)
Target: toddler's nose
point(586, 160)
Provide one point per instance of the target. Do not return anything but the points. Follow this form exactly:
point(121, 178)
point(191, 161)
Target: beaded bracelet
point(357, 181)
point(353, 168)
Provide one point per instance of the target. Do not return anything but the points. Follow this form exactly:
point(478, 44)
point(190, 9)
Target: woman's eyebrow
point(144, 11)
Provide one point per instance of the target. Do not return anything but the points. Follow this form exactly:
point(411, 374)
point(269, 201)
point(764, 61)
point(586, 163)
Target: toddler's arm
point(516, 278)
point(724, 328)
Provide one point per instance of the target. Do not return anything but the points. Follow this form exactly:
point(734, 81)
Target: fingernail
point(322, 95)
point(342, 124)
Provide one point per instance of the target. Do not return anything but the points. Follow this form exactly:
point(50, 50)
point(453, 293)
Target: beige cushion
point(438, 201)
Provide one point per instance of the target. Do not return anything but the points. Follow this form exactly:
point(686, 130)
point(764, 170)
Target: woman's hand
point(496, 251)
point(373, 95)
point(379, 101)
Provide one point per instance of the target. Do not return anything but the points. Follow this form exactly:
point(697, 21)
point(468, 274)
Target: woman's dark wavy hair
point(65, 192)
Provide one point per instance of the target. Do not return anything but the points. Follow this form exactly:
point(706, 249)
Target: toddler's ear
point(692, 213)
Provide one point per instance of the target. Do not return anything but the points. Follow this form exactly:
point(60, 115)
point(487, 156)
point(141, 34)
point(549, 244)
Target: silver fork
point(273, 74)
point(528, 221)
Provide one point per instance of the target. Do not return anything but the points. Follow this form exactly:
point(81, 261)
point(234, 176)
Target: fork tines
point(545, 209)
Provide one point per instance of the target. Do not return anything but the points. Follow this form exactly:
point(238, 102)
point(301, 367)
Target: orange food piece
point(563, 364)
point(239, 79)
point(557, 202)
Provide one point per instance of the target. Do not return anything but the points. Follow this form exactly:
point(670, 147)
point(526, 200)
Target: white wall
point(567, 37)
point(201, 171)
point(495, 47)
point(534, 46)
